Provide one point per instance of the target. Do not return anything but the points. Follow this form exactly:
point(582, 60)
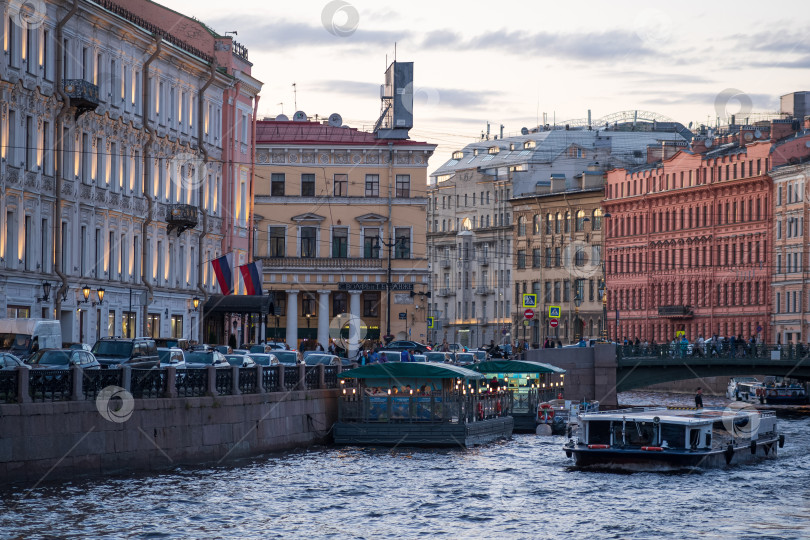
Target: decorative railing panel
point(95, 380)
point(311, 378)
point(270, 378)
point(248, 380)
point(224, 381)
point(192, 382)
point(148, 383)
point(8, 386)
point(330, 376)
point(290, 377)
point(50, 384)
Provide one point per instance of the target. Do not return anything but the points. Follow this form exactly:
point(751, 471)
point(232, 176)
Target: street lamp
point(603, 296)
point(100, 293)
point(46, 291)
point(195, 302)
point(577, 328)
point(390, 245)
point(86, 293)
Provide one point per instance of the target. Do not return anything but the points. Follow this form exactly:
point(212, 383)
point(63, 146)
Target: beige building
point(558, 247)
point(340, 213)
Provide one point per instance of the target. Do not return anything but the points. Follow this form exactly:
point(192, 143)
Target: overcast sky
point(510, 62)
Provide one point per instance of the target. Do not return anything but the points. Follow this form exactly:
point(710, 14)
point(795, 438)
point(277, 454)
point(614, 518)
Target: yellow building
point(340, 213)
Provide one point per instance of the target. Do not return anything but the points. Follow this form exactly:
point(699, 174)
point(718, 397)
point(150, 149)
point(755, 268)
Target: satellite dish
point(335, 120)
point(757, 134)
point(524, 131)
point(300, 116)
point(709, 143)
point(282, 118)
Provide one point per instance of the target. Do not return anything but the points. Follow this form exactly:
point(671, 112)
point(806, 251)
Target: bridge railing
point(723, 349)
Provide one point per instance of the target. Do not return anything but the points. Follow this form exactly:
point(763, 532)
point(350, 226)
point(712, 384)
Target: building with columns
point(335, 208)
point(111, 171)
point(689, 243)
point(791, 283)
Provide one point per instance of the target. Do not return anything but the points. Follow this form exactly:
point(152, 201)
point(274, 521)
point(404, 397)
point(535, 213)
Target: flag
point(222, 269)
point(252, 276)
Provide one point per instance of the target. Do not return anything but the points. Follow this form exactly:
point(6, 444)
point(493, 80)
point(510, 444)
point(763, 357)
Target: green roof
point(515, 366)
point(420, 370)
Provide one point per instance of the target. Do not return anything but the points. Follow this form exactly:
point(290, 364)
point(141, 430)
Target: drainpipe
point(145, 104)
point(230, 152)
point(60, 122)
point(252, 230)
point(200, 198)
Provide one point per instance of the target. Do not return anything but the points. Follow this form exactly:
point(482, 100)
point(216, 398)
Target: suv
point(132, 352)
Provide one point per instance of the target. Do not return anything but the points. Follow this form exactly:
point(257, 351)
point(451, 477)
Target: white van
point(23, 337)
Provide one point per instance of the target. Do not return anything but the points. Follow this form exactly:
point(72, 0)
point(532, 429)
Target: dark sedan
point(404, 345)
point(62, 359)
point(200, 359)
point(9, 361)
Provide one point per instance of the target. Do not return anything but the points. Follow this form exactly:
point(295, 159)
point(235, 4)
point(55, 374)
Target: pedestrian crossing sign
point(529, 300)
point(553, 312)
point(430, 322)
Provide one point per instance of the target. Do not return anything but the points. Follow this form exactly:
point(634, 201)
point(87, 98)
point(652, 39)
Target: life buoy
point(545, 413)
point(498, 407)
point(480, 411)
point(559, 396)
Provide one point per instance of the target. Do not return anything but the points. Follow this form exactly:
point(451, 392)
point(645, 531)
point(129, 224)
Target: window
point(567, 222)
point(403, 185)
point(177, 326)
point(548, 258)
point(371, 243)
point(307, 185)
point(307, 305)
point(557, 222)
point(18, 312)
point(277, 185)
point(308, 242)
point(596, 220)
point(548, 223)
point(521, 226)
point(341, 185)
point(556, 256)
point(340, 242)
point(521, 258)
point(153, 325)
point(580, 221)
point(371, 304)
point(372, 185)
point(339, 303)
point(536, 224)
point(402, 237)
point(277, 242)
point(536, 257)
point(579, 257)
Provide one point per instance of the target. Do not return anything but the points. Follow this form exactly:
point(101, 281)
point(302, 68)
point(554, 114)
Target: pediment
point(309, 216)
point(371, 219)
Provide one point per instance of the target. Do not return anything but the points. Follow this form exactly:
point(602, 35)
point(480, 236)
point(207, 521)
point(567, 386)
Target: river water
point(522, 488)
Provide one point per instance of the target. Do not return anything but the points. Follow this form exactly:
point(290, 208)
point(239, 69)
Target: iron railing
point(8, 386)
point(270, 379)
point(224, 381)
point(330, 376)
point(248, 380)
point(712, 349)
point(311, 378)
point(50, 384)
point(149, 383)
point(95, 380)
point(290, 377)
point(192, 382)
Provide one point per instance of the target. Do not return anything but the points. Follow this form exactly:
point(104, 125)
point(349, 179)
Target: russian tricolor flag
point(252, 276)
point(222, 269)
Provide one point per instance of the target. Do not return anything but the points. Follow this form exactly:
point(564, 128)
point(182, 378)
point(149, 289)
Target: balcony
point(445, 263)
point(320, 262)
point(484, 291)
point(447, 292)
point(83, 95)
point(181, 217)
point(483, 261)
point(675, 312)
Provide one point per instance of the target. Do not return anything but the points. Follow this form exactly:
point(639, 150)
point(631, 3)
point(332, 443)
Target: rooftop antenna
point(395, 51)
point(282, 107)
point(295, 95)
point(234, 33)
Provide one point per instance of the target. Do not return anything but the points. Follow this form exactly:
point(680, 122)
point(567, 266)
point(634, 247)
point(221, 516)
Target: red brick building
point(689, 240)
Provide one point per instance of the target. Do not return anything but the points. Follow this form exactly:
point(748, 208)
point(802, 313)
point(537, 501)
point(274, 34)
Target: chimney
point(501, 131)
point(781, 129)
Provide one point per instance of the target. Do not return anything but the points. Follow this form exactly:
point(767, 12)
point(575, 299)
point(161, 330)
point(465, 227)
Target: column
point(292, 319)
point(354, 323)
point(323, 319)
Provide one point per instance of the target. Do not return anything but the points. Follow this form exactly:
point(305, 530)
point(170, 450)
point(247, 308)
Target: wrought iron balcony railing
point(83, 95)
point(181, 217)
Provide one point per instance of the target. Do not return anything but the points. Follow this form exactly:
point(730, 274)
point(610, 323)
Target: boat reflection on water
point(672, 439)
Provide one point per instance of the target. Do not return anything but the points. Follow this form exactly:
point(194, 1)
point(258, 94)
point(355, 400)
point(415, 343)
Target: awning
point(420, 370)
point(515, 366)
point(218, 303)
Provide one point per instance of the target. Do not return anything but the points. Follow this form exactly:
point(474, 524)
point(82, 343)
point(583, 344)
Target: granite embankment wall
point(590, 371)
point(72, 437)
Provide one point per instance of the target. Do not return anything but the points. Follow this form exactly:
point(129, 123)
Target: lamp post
point(308, 316)
point(390, 245)
point(577, 328)
point(603, 295)
point(605, 230)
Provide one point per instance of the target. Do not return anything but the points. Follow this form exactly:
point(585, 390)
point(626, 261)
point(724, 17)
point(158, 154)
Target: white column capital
point(292, 292)
point(323, 292)
point(354, 292)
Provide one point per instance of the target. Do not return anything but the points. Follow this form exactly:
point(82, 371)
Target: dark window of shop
point(339, 303)
point(371, 305)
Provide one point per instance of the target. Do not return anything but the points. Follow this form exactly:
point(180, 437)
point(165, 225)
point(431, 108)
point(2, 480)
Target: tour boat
point(644, 439)
point(785, 395)
point(420, 404)
point(744, 389)
point(562, 415)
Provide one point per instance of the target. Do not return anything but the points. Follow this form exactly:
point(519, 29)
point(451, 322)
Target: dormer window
point(529, 144)
point(475, 152)
point(458, 155)
point(511, 146)
point(493, 150)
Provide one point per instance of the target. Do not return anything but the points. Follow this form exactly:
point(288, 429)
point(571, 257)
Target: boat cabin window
point(635, 433)
point(694, 438)
point(599, 432)
point(674, 435)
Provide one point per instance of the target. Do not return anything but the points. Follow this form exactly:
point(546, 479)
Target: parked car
point(9, 361)
point(241, 351)
point(172, 356)
point(264, 359)
point(138, 353)
point(168, 343)
point(200, 359)
point(224, 349)
point(480, 355)
point(265, 347)
point(240, 360)
point(440, 357)
point(465, 359)
point(457, 347)
point(78, 346)
point(288, 358)
point(326, 359)
point(404, 345)
point(23, 337)
point(62, 359)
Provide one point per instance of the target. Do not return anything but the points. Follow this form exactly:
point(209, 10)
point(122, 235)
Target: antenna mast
point(295, 95)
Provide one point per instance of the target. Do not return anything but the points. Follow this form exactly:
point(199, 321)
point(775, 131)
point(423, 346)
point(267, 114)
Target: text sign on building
point(374, 286)
point(403, 315)
point(529, 300)
point(554, 312)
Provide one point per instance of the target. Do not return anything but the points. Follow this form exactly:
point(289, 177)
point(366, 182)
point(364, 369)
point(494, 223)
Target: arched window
point(522, 226)
point(536, 224)
point(580, 220)
point(557, 221)
point(568, 222)
point(596, 220)
point(549, 219)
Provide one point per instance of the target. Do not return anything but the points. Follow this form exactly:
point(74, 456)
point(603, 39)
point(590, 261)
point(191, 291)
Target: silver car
point(264, 359)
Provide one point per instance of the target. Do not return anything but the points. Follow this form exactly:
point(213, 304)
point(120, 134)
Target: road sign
point(529, 300)
point(526, 322)
point(403, 315)
point(554, 312)
point(553, 323)
point(430, 322)
point(680, 333)
point(528, 314)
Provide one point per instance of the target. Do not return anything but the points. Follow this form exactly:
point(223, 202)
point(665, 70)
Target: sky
point(511, 63)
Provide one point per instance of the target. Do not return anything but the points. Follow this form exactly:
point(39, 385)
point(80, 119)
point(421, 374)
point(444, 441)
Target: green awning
point(515, 366)
point(420, 370)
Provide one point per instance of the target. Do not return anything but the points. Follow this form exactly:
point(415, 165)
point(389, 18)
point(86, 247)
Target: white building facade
point(110, 133)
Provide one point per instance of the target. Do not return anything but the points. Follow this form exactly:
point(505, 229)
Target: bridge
point(602, 371)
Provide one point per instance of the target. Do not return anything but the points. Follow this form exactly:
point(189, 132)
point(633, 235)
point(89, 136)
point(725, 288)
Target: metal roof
point(421, 370)
point(515, 366)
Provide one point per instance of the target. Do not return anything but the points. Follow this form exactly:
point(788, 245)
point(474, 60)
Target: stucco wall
point(74, 438)
point(590, 371)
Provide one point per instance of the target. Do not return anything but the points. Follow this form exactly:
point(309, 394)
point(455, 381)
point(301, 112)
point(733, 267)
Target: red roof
point(315, 133)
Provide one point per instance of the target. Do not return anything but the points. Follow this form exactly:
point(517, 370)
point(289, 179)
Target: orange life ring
point(480, 411)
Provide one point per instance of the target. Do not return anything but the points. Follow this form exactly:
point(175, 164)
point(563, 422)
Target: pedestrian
point(699, 398)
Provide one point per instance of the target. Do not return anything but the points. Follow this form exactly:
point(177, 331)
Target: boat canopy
point(515, 366)
point(419, 370)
